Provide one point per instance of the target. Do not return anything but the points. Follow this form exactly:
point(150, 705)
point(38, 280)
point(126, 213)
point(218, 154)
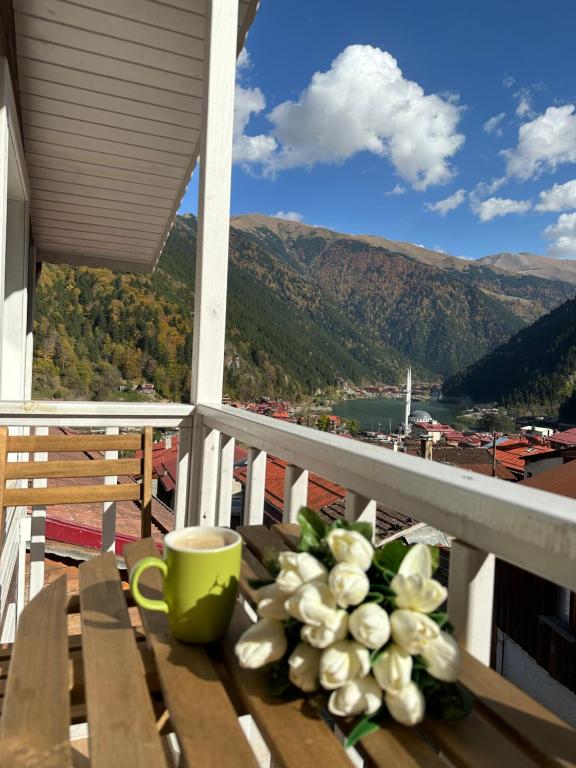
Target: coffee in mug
point(201, 570)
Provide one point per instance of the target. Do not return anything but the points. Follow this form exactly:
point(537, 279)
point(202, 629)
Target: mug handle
point(139, 568)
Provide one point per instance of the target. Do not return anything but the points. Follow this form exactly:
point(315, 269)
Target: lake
point(374, 412)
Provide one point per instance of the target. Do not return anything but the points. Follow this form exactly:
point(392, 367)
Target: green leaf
point(360, 730)
point(451, 701)
point(375, 655)
point(441, 619)
point(374, 597)
point(389, 557)
point(312, 529)
point(364, 528)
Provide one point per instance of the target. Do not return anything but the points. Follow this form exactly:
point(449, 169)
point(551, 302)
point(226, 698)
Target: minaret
point(408, 400)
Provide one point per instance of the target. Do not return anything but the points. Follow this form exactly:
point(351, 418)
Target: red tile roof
point(568, 437)
point(515, 453)
point(561, 480)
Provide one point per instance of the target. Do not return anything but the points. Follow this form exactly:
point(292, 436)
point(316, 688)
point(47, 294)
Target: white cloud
point(560, 197)
point(244, 61)
point(524, 108)
point(250, 149)
point(498, 206)
point(543, 143)
point(364, 103)
point(508, 81)
point(288, 215)
point(492, 125)
point(399, 189)
point(564, 235)
point(487, 188)
point(448, 204)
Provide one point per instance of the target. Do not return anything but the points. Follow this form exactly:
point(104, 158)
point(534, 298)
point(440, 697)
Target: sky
point(450, 124)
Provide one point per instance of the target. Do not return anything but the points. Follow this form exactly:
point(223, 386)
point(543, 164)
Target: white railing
point(487, 517)
point(29, 532)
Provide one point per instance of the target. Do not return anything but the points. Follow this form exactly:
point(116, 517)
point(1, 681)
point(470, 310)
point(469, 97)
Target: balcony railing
point(488, 518)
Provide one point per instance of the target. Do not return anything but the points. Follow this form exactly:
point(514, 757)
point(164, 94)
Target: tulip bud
point(271, 602)
point(356, 697)
point(407, 705)
point(350, 547)
point(312, 604)
point(370, 625)
point(413, 631)
point(349, 584)
point(442, 658)
point(327, 634)
point(341, 662)
point(304, 663)
point(298, 568)
point(393, 670)
point(261, 644)
point(418, 594)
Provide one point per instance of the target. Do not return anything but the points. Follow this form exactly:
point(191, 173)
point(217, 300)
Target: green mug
point(201, 570)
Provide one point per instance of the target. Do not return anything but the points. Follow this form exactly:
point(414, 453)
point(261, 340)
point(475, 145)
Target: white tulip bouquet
point(357, 629)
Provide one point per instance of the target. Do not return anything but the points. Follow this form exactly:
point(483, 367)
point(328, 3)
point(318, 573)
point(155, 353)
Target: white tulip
point(341, 662)
point(370, 625)
point(323, 636)
point(350, 547)
point(417, 562)
point(304, 663)
point(418, 594)
point(297, 568)
point(442, 658)
point(413, 631)
point(356, 697)
point(261, 644)
point(349, 584)
point(393, 670)
point(313, 604)
point(271, 602)
point(406, 705)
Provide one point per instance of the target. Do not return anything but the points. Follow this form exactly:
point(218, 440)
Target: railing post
point(109, 507)
point(471, 598)
point(38, 530)
point(295, 492)
point(360, 508)
point(183, 476)
point(203, 475)
point(226, 478)
point(255, 486)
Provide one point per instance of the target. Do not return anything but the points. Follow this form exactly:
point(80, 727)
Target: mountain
point(305, 306)
point(441, 312)
point(536, 368)
point(530, 264)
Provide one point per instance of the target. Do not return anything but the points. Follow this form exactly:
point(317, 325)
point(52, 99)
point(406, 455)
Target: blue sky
point(341, 103)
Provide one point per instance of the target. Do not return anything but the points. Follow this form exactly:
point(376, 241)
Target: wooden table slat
point(289, 533)
point(117, 697)
point(542, 734)
point(36, 711)
point(262, 541)
point(201, 713)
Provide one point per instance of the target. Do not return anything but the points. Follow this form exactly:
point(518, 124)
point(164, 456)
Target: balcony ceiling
point(111, 98)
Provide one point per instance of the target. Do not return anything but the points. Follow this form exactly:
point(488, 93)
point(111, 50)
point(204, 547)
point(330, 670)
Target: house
point(565, 439)
point(525, 459)
point(433, 431)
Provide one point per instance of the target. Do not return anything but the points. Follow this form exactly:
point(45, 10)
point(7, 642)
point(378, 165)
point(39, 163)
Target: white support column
point(295, 492)
point(471, 598)
point(204, 480)
point(38, 529)
point(359, 508)
point(109, 507)
point(212, 242)
point(255, 485)
point(183, 474)
point(225, 480)
point(22, 544)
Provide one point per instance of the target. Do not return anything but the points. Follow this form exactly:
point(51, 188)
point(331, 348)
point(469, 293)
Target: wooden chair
point(138, 467)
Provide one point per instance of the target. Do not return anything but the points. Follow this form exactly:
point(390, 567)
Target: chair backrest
point(138, 467)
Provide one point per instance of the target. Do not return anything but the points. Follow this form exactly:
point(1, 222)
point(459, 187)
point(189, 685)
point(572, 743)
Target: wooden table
point(140, 689)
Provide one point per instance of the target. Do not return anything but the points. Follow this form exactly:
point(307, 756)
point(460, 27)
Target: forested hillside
point(305, 306)
point(535, 369)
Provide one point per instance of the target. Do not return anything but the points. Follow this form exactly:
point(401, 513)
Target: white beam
point(471, 598)
point(226, 478)
point(295, 492)
point(359, 508)
point(109, 507)
point(255, 487)
point(38, 528)
point(214, 202)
